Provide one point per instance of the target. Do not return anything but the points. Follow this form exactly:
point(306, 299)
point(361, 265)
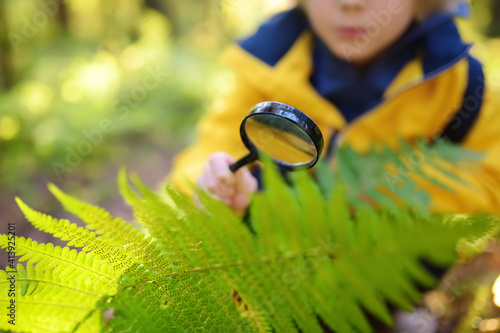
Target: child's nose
point(350, 5)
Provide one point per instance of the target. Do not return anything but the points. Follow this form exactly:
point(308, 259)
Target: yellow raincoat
point(414, 106)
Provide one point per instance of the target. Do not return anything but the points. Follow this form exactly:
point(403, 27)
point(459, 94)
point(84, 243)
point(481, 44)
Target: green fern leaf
point(116, 231)
point(77, 236)
point(65, 262)
point(47, 301)
point(313, 256)
point(346, 266)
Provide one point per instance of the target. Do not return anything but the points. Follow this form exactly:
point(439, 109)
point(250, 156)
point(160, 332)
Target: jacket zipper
point(338, 137)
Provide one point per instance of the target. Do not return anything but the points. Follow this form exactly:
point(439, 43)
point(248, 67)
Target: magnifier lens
point(281, 139)
point(282, 132)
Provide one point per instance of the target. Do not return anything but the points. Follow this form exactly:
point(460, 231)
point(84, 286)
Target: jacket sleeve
point(482, 191)
point(218, 130)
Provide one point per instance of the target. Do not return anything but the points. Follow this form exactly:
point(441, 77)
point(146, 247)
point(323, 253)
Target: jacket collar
point(288, 81)
point(340, 81)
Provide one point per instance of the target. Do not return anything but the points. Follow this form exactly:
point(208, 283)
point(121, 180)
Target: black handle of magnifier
point(243, 161)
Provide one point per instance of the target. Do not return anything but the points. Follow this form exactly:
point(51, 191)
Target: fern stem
point(73, 263)
point(54, 284)
point(263, 260)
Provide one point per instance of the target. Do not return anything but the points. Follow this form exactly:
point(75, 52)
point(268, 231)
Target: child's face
point(359, 30)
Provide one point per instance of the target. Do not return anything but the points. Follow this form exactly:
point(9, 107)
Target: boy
point(375, 70)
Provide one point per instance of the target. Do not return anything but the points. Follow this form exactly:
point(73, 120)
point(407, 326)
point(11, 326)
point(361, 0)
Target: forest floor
point(152, 167)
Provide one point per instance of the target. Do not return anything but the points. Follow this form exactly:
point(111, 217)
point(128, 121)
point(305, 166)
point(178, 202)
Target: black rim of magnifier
point(288, 113)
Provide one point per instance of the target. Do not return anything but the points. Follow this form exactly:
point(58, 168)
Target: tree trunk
point(6, 77)
point(62, 16)
point(494, 30)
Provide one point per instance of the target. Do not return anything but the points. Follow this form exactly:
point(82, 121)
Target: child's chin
point(358, 60)
point(357, 55)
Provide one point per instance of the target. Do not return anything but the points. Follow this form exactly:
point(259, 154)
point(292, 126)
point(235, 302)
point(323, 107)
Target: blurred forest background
point(89, 86)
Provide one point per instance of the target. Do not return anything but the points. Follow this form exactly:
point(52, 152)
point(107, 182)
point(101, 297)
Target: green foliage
point(90, 63)
point(303, 260)
point(390, 178)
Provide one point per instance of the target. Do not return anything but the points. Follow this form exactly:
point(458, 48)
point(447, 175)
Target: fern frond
point(96, 218)
point(181, 310)
point(65, 262)
point(155, 219)
point(477, 242)
point(115, 231)
point(184, 224)
point(389, 177)
point(308, 259)
point(77, 236)
point(185, 227)
point(46, 300)
point(38, 315)
point(373, 241)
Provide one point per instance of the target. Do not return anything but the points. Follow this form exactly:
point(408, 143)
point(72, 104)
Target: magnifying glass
point(282, 132)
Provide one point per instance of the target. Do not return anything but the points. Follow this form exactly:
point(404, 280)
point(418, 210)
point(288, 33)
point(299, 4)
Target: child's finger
point(206, 180)
point(240, 202)
point(219, 163)
point(219, 191)
point(245, 182)
point(210, 182)
point(233, 189)
point(225, 192)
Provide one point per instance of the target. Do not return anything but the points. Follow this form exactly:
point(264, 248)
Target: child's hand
point(234, 189)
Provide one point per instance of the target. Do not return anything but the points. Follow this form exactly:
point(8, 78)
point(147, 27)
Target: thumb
point(246, 183)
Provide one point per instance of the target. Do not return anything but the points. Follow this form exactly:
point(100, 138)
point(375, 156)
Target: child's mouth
point(351, 32)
